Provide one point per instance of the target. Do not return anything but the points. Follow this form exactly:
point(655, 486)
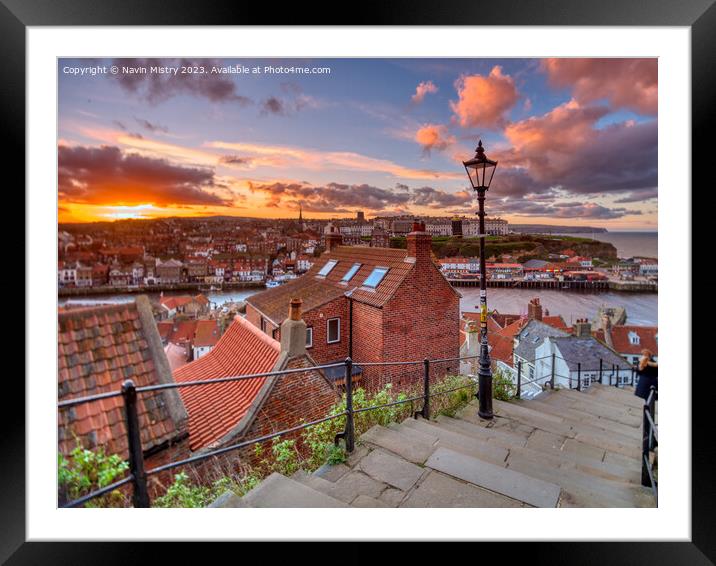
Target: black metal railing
point(614, 376)
point(650, 440)
point(138, 476)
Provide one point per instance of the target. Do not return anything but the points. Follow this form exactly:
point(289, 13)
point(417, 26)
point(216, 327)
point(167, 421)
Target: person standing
point(648, 372)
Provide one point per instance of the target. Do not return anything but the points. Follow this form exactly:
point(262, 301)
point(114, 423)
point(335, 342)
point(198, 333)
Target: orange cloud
point(433, 136)
point(484, 101)
point(422, 90)
point(625, 83)
point(317, 160)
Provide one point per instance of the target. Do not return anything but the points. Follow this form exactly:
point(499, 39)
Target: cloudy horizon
point(576, 139)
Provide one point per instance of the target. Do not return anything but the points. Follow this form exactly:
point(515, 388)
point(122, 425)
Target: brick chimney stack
point(534, 309)
point(420, 243)
point(582, 328)
point(332, 237)
point(293, 331)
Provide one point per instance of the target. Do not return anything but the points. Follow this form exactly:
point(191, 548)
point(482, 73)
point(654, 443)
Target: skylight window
point(351, 272)
point(326, 269)
point(376, 276)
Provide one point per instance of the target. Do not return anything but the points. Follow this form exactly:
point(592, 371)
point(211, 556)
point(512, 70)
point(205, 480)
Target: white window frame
point(328, 331)
point(309, 333)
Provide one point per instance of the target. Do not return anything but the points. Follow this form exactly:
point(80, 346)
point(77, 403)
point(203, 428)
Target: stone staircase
point(562, 449)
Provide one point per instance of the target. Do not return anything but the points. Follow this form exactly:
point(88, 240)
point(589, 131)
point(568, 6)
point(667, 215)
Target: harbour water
point(641, 307)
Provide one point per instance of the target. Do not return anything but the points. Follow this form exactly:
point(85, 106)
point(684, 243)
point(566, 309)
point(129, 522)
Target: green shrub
point(86, 471)
point(502, 386)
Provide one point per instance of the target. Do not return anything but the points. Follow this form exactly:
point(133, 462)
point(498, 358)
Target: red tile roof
point(555, 321)
point(500, 347)
point(214, 410)
point(316, 290)
point(99, 347)
point(207, 333)
point(647, 339)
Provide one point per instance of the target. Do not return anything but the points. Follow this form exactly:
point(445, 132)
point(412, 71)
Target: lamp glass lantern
point(480, 169)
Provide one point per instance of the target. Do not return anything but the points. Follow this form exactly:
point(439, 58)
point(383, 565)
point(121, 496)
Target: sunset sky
point(576, 140)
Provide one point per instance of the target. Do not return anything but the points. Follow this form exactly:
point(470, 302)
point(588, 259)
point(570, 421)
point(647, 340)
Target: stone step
point(618, 414)
point(346, 488)
point(279, 491)
point(607, 405)
point(390, 469)
point(583, 432)
point(623, 396)
point(439, 491)
point(574, 415)
point(498, 436)
point(414, 450)
point(510, 483)
point(580, 489)
point(477, 448)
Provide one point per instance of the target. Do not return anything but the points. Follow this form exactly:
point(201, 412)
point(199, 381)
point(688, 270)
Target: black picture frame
point(17, 15)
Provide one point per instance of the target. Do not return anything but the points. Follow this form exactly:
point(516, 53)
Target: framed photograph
point(393, 281)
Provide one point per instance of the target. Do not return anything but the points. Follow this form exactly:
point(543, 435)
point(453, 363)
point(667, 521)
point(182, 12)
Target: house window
point(351, 272)
point(309, 337)
point(334, 330)
point(634, 338)
point(263, 324)
point(376, 276)
point(326, 269)
point(274, 333)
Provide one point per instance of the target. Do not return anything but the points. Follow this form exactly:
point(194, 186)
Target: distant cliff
point(549, 229)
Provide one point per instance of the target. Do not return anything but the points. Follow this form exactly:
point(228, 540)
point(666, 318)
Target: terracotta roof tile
point(215, 409)
point(84, 363)
point(647, 339)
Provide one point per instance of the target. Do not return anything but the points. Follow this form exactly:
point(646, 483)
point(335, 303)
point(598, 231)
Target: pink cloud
point(565, 148)
point(434, 136)
point(484, 101)
point(422, 90)
point(625, 83)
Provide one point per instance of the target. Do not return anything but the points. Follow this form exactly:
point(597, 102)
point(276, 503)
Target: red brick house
point(226, 413)
point(372, 304)
point(99, 348)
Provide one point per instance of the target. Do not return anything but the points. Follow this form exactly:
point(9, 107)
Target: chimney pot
point(294, 308)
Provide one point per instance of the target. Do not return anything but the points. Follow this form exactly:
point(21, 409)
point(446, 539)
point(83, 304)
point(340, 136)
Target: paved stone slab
point(357, 483)
point(504, 438)
point(588, 490)
point(365, 501)
point(516, 485)
point(542, 440)
point(478, 448)
point(392, 497)
point(390, 469)
point(358, 453)
point(332, 473)
point(228, 499)
point(411, 449)
point(580, 449)
point(282, 492)
point(439, 491)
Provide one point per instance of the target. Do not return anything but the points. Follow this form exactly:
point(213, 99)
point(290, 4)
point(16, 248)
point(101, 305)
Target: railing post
point(633, 372)
point(600, 370)
point(519, 379)
point(551, 381)
point(652, 412)
point(350, 427)
point(579, 376)
point(140, 497)
point(426, 389)
point(645, 480)
point(616, 375)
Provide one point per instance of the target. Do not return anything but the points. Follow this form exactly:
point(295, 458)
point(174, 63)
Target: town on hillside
point(385, 308)
point(213, 253)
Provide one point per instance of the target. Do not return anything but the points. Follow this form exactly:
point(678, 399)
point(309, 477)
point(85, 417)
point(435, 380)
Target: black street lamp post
point(480, 170)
